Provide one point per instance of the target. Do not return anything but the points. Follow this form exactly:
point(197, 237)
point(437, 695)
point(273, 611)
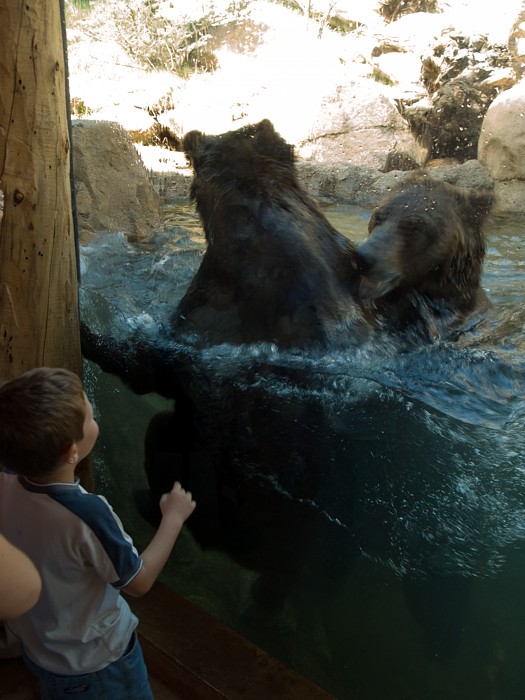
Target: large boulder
point(360, 124)
point(501, 147)
point(366, 186)
point(112, 187)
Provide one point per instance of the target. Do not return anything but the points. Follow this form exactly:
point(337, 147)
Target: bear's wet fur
point(274, 269)
point(424, 254)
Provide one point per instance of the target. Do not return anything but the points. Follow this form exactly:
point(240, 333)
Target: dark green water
point(350, 629)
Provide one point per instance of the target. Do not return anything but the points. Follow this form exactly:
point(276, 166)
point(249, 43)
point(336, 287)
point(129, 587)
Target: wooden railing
point(204, 659)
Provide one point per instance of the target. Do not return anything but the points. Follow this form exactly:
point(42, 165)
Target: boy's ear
point(71, 454)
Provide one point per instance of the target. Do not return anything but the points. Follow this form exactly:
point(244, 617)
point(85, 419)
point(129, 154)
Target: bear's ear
point(192, 145)
point(481, 203)
point(265, 127)
point(270, 143)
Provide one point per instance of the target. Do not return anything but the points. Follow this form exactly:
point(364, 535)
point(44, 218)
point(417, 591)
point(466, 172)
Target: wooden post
point(39, 324)
point(39, 321)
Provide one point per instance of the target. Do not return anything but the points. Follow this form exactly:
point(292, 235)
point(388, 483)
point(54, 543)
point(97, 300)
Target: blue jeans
point(124, 679)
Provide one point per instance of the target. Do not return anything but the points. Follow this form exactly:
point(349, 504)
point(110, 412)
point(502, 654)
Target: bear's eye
point(376, 219)
point(412, 225)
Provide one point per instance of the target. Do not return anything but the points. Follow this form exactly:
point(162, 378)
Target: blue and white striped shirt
point(81, 622)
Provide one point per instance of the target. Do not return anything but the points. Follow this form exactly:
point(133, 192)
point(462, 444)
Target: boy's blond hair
point(42, 413)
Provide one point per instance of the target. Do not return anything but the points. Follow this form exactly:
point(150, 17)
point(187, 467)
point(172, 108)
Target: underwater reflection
point(370, 499)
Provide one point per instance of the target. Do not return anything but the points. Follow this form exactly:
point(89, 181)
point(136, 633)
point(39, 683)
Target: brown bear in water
point(423, 259)
point(275, 269)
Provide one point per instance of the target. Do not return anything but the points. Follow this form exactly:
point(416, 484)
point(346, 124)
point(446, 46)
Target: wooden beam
point(39, 323)
point(204, 659)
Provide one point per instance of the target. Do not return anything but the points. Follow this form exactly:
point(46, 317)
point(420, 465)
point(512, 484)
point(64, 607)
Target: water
point(383, 496)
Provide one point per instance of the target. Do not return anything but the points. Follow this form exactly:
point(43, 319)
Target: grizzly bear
point(274, 269)
point(422, 261)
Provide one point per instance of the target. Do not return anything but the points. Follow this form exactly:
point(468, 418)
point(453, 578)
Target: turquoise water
point(429, 449)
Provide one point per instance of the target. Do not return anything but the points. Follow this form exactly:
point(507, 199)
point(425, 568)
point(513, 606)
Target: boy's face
point(85, 445)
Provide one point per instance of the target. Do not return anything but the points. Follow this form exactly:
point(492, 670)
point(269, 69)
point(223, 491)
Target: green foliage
point(341, 25)
point(76, 8)
point(160, 43)
point(328, 19)
point(392, 9)
point(159, 40)
point(78, 108)
point(290, 5)
point(381, 77)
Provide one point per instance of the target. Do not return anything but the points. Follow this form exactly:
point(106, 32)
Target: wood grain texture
point(39, 322)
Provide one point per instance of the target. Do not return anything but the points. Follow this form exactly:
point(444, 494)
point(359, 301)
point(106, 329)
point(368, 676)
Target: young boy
point(79, 639)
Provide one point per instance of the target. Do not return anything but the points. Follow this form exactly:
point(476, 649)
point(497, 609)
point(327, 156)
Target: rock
point(501, 147)
point(359, 124)
point(470, 176)
point(366, 187)
point(510, 196)
point(379, 97)
point(502, 140)
point(112, 187)
point(354, 184)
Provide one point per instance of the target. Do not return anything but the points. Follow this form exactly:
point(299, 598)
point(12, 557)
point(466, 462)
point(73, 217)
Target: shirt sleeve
point(106, 546)
point(121, 562)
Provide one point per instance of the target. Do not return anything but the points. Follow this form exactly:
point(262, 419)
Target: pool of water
point(408, 565)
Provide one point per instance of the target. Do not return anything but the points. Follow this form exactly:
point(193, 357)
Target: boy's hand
point(177, 503)
point(176, 507)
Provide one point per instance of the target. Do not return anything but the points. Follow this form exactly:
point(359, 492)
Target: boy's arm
point(176, 506)
point(20, 583)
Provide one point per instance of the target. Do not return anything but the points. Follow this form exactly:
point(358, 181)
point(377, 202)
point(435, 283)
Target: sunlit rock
point(113, 189)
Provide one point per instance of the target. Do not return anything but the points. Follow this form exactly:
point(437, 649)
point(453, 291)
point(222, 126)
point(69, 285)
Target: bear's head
point(426, 237)
point(236, 168)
